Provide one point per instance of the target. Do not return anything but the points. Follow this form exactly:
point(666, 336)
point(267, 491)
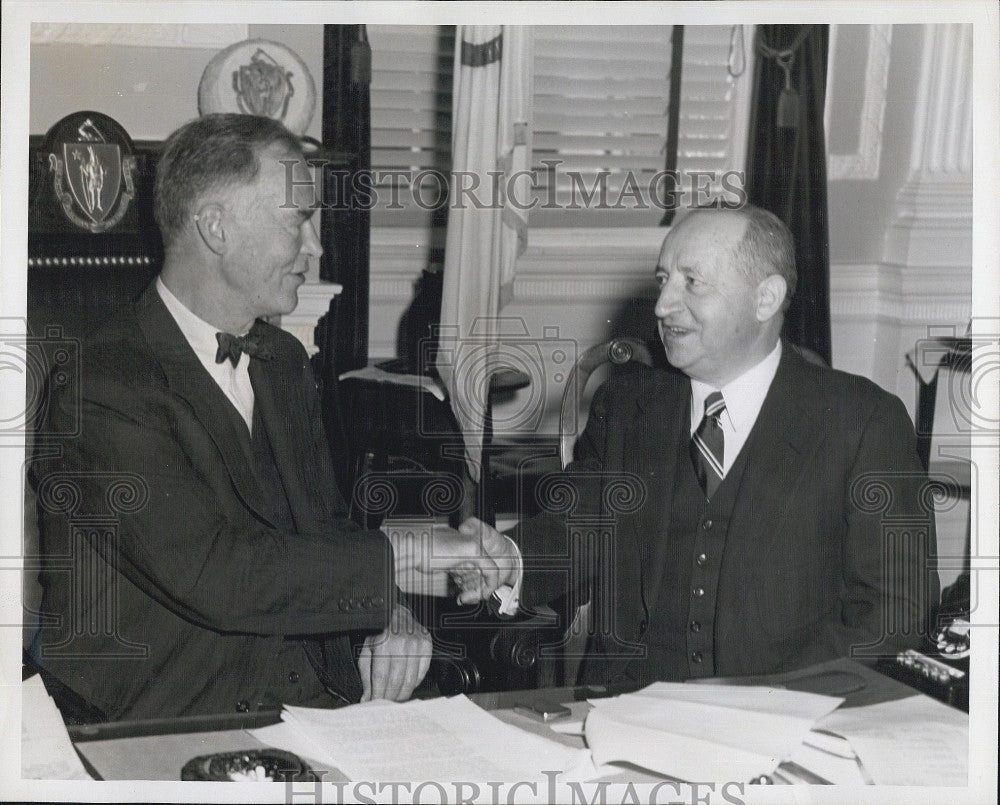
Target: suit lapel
point(279, 391)
point(787, 432)
point(661, 430)
point(187, 378)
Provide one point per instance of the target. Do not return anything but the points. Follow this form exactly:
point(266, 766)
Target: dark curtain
point(345, 230)
point(786, 169)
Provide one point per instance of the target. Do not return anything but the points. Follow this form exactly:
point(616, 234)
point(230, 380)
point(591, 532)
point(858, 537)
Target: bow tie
point(230, 346)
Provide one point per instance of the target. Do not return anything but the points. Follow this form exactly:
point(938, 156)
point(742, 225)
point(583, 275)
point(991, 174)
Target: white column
point(927, 252)
point(932, 224)
point(314, 301)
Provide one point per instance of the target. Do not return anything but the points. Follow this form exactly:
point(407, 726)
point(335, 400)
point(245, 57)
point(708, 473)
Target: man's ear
point(771, 293)
point(211, 227)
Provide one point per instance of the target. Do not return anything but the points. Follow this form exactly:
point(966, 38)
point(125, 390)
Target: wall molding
point(901, 294)
point(931, 222)
point(138, 35)
point(864, 163)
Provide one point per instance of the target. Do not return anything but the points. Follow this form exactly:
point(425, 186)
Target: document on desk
point(437, 739)
point(703, 733)
point(46, 750)
point(912, 741)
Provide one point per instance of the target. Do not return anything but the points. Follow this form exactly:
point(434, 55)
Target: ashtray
point(251, 765)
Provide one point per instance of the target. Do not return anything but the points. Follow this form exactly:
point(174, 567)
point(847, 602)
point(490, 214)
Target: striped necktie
point(707, 445)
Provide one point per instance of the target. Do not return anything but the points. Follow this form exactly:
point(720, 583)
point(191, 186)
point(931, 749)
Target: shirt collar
point(744, 395)
point(198, 332)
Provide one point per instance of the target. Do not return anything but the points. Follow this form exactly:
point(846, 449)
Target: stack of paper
point(912, 741)
point(704, 733)
point(437, 739)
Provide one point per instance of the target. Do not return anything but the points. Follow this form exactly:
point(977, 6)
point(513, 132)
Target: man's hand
point(394, 662)
point(479, 558)
point(495, 563)
point(424, 554)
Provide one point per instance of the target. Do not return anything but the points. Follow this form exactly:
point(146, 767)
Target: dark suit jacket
point(167, 590)
point(813, 565)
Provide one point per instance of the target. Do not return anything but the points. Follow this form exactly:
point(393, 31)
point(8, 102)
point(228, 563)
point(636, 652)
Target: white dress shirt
point(233, 380)
point(744, 397)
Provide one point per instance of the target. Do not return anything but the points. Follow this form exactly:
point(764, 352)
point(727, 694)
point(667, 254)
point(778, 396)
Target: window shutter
point(601, 111)
point(600, 114)
point(714, 108)
point(411, 87)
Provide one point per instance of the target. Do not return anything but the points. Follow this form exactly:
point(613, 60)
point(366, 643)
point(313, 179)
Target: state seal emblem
point(92, 162)
point(259, 77)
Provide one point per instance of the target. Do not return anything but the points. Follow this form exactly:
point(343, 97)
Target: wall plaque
point(259, 77)
point(91, 162)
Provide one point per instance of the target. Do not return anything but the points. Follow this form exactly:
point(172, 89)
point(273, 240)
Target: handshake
point(476, 558)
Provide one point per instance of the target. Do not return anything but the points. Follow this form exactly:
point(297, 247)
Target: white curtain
point(491, 109)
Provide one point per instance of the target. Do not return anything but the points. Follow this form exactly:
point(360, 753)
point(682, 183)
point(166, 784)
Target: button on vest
point(681, 633)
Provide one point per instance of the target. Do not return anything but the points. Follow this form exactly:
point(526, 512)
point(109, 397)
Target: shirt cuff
point(509, 597)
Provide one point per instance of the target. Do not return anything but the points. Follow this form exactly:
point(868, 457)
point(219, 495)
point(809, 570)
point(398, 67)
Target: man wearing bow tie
point(231, 577)
point(774, 514)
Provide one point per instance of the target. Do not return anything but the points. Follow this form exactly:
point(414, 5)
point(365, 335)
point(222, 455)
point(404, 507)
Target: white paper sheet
point(838, 764)
point(437, 739)
point(797, 706)
point(912, 741)
point(428, 384)
point(704, 733)
point(46, 750)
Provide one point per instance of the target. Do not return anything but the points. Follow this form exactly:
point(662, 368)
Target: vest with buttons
point(680, 634)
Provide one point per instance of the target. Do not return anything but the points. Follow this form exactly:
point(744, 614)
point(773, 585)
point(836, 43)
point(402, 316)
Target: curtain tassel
point(788, 98)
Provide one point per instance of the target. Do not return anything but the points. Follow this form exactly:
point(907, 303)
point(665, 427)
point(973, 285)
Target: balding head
point(766, 248)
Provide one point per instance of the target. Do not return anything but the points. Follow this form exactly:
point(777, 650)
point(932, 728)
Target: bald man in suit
point(776, 513)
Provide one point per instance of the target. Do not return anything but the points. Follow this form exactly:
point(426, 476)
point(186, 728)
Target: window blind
point(714, 108)
point(600, 120)
point(411, 86)
point(600, 114)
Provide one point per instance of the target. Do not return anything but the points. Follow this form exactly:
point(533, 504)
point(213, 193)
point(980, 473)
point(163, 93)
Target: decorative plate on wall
point(259, 77)
point(91, 161)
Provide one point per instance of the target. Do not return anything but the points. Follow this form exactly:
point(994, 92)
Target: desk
point(157, 750)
